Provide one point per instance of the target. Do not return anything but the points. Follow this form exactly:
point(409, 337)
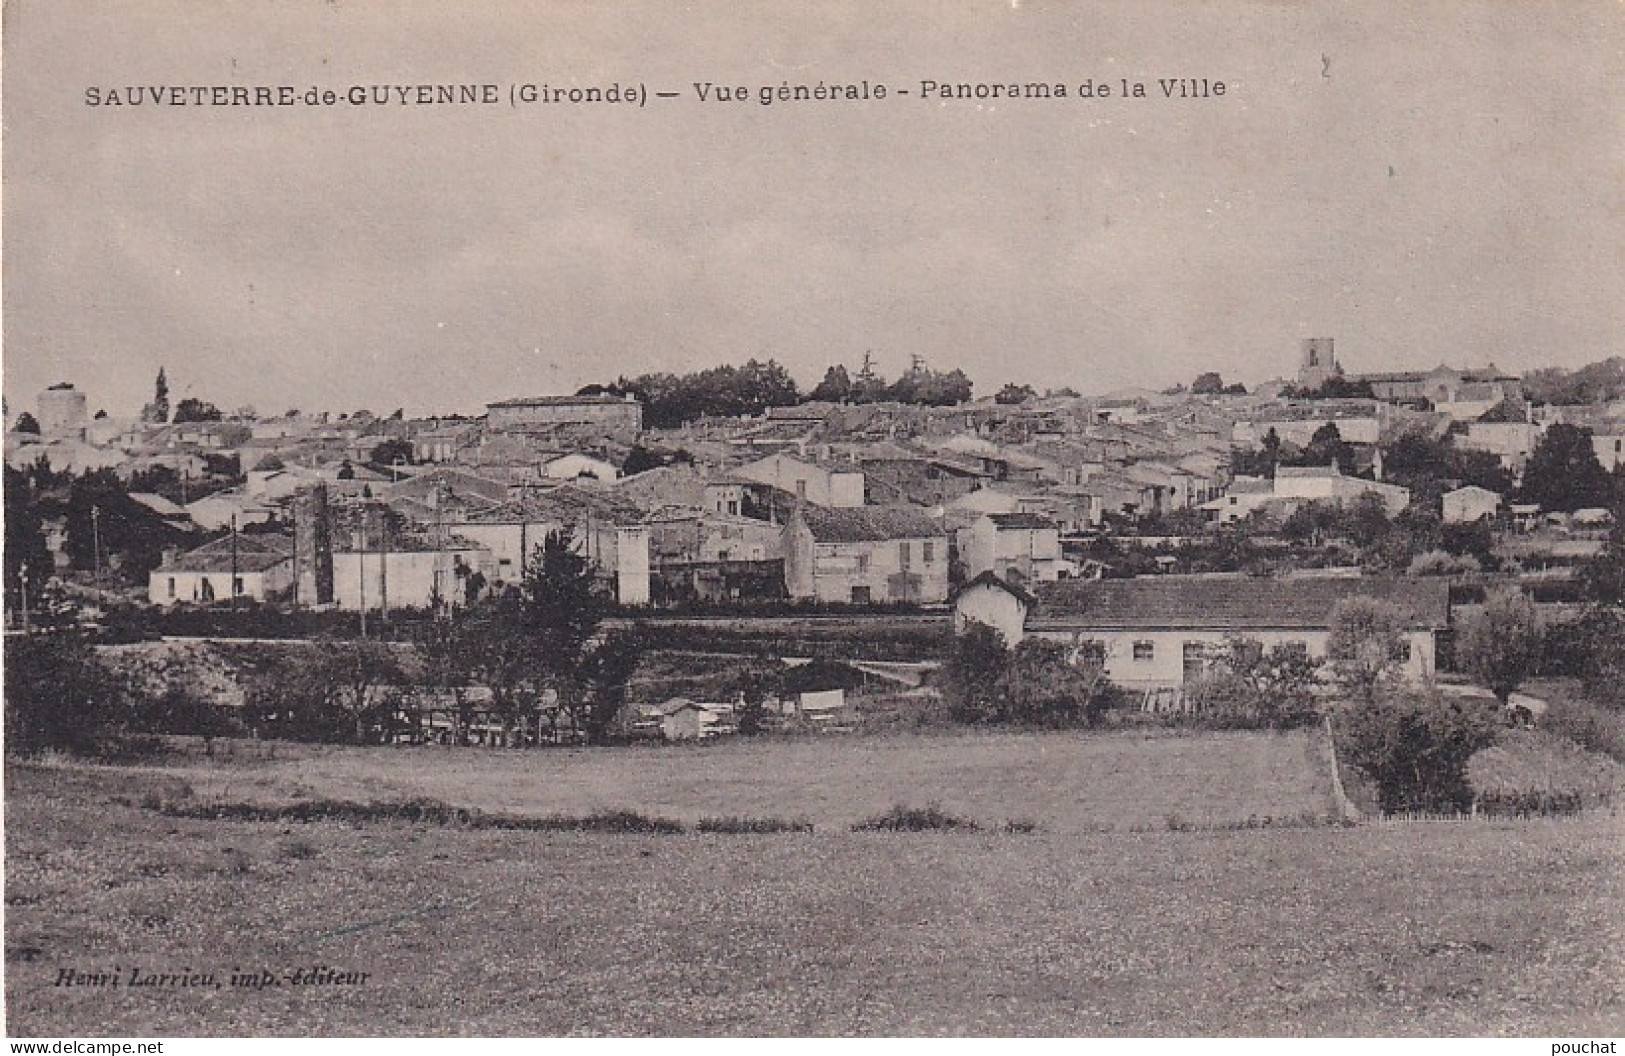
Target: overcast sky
point(1425, 183)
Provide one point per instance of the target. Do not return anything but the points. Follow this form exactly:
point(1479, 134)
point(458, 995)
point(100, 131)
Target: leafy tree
point(346, 470)
point(28, 561)
point(500, 652)
point(26, 423)
point(973, 673)
point(868, 386)
point(1041, 686)
point(179, 708)
point(754, 687)
point(1594, 383)
point(563, 603)
point(1367, 517)
point(101, 515)
point(641, 459)
point(1563, 472)
point(446, 647)
point(1282, 678)
point(1336, 388)
point(1501, 644)
point(835, 388)
point(1327, 448)
point(387, 453)
point(361, 678)
point(602, 680)
point(1416, 746)
point(1602, 578)
point(1367, 644)
point(58, 695)
point(337, 690)
point(1208, 383)
point(1013, 394)
point(1313, 522)
point(930, 388)
point(192, 409)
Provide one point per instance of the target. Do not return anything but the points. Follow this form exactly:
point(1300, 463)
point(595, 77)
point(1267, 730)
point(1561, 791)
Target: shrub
point(58, 695)
point(1415, 746)
point(1537, 772)
point(753, 826)
point(1251, 688)
point(1366, 643)
point(916, 819)
point(1442, 563)
point(1591, 726)
point(424, 811)
point(1501, 644)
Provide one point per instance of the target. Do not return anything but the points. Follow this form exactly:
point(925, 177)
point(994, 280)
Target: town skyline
point(1417, 209)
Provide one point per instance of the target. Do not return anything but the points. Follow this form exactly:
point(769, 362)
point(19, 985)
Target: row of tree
point(670, 400)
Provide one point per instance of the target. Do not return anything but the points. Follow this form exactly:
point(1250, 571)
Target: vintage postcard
point(947, 517)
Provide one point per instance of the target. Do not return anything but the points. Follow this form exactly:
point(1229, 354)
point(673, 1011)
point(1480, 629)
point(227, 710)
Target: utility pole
point(234, 579)
point(22, 587)
point(96, 543)
point(383, 567)
point(361, 571)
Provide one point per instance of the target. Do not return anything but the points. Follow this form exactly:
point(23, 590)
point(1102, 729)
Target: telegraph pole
point(383, 567)
point(361, 572)
point(96, 543)
point(234, 590)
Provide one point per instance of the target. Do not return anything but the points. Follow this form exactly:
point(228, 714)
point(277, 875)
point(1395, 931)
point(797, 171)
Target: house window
point(903, 554)
point(860, 595)
point(171, 586)
point(733, 508)
point(1194, 660)
point(928, 551)
point(1144, 651)
point(236, 585)
point(1402, 651)
point(863, 562)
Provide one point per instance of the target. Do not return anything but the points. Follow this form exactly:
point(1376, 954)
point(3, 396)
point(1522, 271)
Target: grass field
point(1485, 928)
point(1066, 782)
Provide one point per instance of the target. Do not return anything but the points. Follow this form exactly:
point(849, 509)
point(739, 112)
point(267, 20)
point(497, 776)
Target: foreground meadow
point(1486, 928)
point(1063, 781)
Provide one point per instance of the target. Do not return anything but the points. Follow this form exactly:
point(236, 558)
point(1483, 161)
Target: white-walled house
point(1021, 547)
point(1468, 504)
point(409, 573)
point(1609, 445)
point(871, 554)
point(994, 601)
point(607, 532)
point(247, 566)
point(807, 481)
point(1328, 484)
point(575, 465)
point(1164, 631)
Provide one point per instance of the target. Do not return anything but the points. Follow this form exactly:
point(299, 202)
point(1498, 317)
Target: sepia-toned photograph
point(952, 518)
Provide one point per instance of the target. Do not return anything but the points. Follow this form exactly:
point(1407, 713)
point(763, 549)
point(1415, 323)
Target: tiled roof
point(1020, 520)
point(1240, 603)
point(558, 401)
point(255, 553)
point(868, 523)
point(565, 502)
